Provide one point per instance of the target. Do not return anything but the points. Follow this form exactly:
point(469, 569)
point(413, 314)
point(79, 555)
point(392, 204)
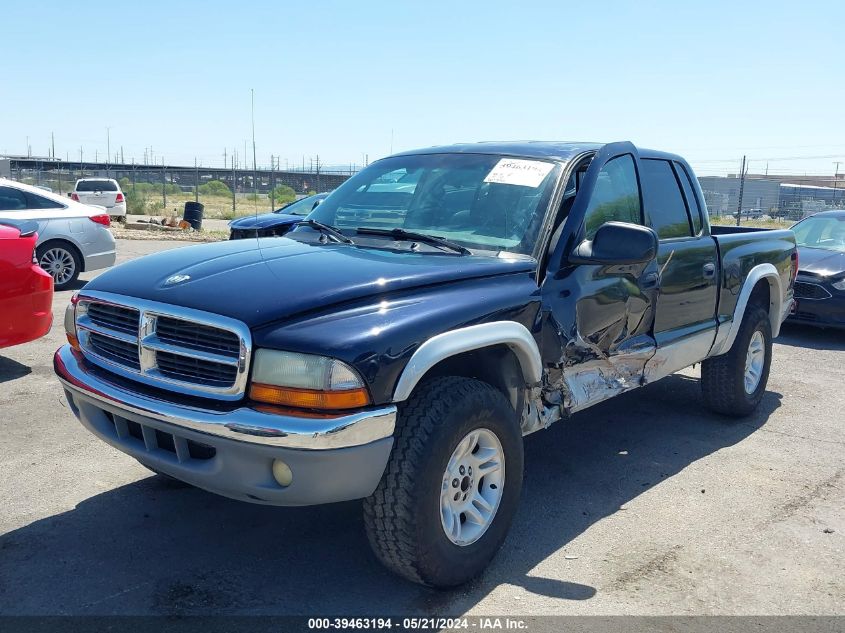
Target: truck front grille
point(182, 350)
point(115, 350)
point(115, 317)
point(196, 370)
point(196, 336)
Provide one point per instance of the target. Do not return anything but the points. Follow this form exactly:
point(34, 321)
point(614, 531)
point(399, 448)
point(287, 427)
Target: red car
point(26, 291)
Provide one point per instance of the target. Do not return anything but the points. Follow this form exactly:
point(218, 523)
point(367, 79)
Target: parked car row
point(72, 237)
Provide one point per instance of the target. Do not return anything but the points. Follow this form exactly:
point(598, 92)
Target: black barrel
point(193, 214)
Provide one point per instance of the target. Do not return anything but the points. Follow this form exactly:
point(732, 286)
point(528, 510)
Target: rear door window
point(39, 202)
point(665, 209)
point(12, 199)
point(689, 194)
point(616, 196)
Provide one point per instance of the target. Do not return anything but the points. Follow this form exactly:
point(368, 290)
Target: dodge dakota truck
point(398, 345)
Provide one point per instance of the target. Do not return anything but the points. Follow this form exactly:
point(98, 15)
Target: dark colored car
point(398, 344)
point(26, 290)
point(276, 223)
point(820, 286)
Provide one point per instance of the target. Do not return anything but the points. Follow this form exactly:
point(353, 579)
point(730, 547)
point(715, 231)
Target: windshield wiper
point(413, 235)
point(325, 229)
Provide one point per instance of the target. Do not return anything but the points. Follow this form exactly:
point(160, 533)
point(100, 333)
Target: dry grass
point(756, 224)
point(216, 207)
point(123, 233)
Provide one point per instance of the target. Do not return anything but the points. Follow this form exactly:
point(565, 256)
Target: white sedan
point(72, 237)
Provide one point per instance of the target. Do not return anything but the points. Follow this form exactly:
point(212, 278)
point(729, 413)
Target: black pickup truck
point(399, 343)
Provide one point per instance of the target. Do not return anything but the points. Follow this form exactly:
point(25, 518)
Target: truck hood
point(270, 279)
point(820, 261)
point(265, 220)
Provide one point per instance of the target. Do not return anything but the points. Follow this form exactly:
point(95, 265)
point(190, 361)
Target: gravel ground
point(646, 505)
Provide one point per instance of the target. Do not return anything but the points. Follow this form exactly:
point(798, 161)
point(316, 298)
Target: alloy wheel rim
point(754, 361)
point(472, 487)
point(59, 263)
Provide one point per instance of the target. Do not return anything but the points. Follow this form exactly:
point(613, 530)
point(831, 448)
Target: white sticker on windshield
point(513, 171)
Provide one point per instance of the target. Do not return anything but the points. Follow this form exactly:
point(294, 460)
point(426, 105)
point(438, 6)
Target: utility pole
point(122, 162)
point(234, 183)
point(254, 168)
point(163, 187)
point(196, 181)
point(108, 151)
point(272, 183)
point(318, 173)
point(835, 175)
point(52, 145)
point(742, 171)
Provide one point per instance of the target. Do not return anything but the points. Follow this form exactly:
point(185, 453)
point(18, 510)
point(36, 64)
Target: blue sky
point(711, 80)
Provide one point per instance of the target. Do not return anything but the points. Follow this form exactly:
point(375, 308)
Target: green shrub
point(214, 188)
point(283, 195)
point(136, 202)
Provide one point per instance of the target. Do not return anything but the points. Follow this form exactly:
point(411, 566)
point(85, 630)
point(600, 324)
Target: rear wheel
point(452, 484)
point(734, 383)
point(61, 261)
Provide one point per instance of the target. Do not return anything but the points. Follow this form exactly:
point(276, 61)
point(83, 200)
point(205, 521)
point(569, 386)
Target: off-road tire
point(723, 377)
point(402, 516)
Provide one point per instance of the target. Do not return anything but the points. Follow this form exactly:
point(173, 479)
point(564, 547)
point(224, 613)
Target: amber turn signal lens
point(310, 398)
point(74, 342)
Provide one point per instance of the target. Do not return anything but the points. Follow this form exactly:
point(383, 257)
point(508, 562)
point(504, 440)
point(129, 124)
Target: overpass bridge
point(46, 170)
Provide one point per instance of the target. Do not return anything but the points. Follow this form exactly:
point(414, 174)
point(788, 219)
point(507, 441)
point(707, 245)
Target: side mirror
point(617, 243)
point(316, 204)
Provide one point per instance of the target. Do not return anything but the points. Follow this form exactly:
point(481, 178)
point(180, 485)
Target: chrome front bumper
point(241, 424)
point(232, 451)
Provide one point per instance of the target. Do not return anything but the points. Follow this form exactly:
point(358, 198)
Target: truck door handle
point(709, 270)
point(649, 281)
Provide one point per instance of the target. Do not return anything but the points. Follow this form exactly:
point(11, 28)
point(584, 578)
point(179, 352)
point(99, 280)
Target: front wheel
point(733, 384)
point(452, 484)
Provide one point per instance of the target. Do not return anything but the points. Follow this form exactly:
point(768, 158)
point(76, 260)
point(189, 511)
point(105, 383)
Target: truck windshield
point(479, 201)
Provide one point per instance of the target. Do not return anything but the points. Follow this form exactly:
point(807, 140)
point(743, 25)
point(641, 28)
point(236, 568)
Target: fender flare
point(442, 346)
point(728, 331)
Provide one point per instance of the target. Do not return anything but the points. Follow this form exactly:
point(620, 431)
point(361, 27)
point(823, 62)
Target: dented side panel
point(597, 323)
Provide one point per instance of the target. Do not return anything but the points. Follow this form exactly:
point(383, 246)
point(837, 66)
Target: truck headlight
point(305, 380)
point(840, 285)
point(70, 321)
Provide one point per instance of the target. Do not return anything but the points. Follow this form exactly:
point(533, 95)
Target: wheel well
point(496, 365)
point(765, 294)
point(67, 244)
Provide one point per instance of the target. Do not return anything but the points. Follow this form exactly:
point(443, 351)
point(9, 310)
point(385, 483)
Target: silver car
point(72, 237)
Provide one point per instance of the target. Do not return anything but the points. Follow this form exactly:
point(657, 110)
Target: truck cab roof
point(549, 150)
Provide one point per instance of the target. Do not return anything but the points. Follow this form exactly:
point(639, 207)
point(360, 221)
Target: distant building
point(722, 195)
